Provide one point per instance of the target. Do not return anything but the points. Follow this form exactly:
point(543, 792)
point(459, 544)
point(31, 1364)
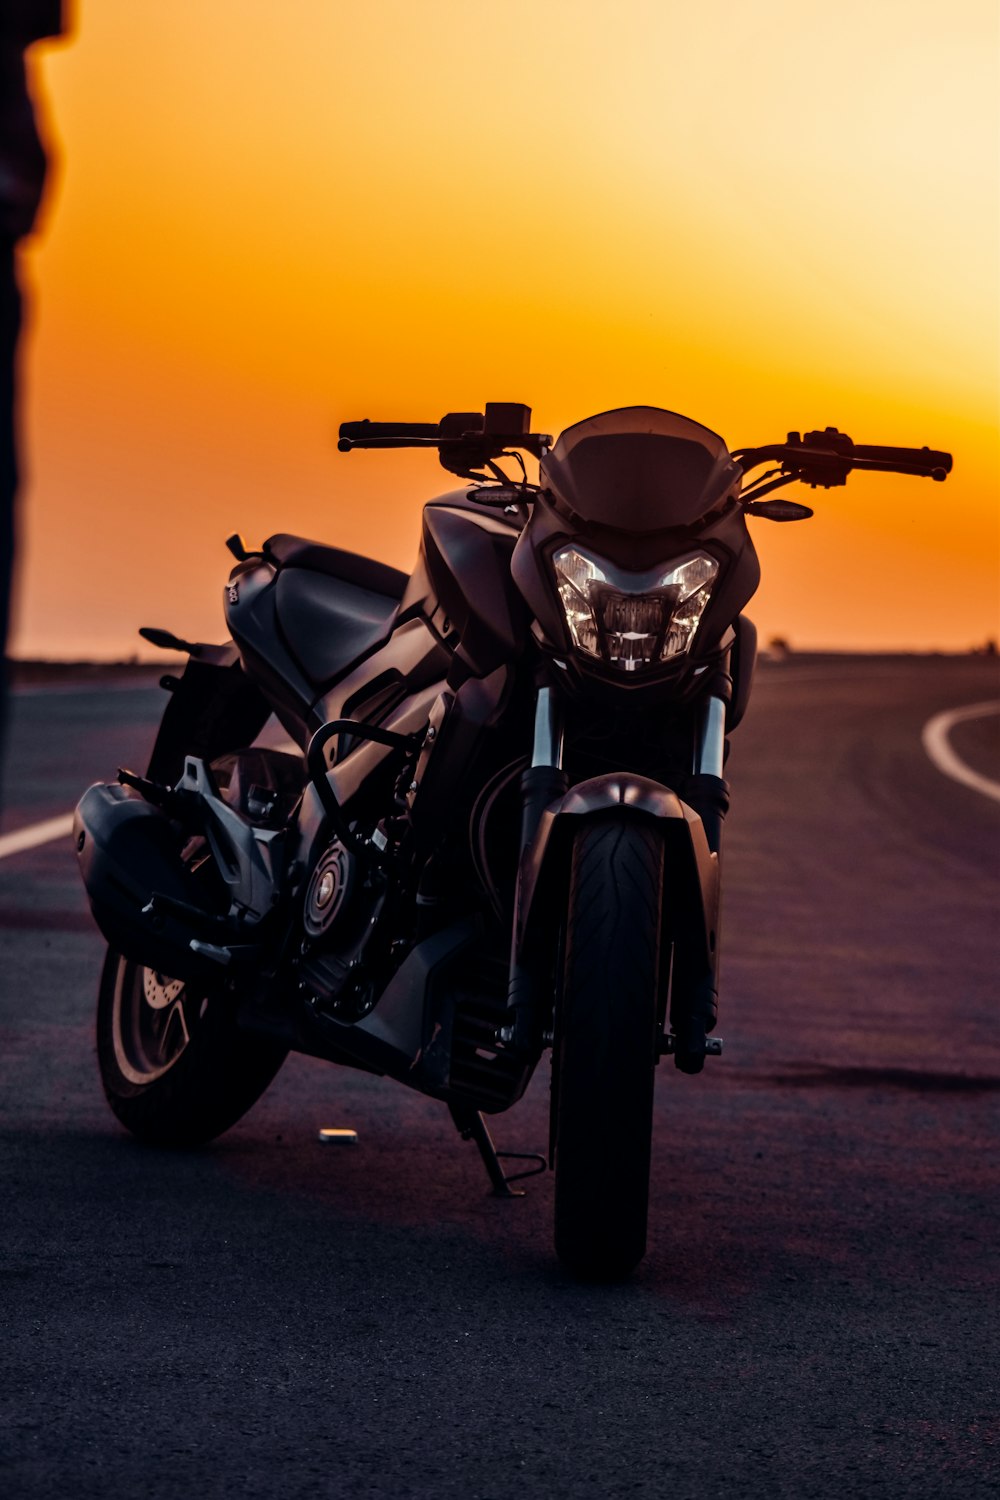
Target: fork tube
point(707, 790)
point(548, 744)
point(543, 782)
point(710, 744)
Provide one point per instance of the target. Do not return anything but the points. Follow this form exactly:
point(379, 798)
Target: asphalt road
point(817, 1315)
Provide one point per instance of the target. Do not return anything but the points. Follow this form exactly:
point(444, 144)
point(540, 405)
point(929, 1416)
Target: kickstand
point(472, 1127)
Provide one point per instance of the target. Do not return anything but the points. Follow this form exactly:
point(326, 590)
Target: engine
point(342, 956)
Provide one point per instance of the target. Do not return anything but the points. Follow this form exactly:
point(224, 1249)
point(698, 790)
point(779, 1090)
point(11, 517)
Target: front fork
point(542, 783)
point(710, 738)
point(706, 790)
point(694, 999)
point(545, 782)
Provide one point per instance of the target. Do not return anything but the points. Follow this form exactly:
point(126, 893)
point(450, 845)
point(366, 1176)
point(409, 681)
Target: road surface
point(817, 1315)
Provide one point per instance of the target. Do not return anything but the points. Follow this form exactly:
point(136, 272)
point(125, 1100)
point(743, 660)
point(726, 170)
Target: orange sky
point(267, 219)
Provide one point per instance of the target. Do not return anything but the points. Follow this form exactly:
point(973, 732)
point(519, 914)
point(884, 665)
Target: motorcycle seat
point(332, 607)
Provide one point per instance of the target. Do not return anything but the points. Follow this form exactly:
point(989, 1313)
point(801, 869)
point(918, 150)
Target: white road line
point(934, 737)
point(35, 834)
point(935, 741)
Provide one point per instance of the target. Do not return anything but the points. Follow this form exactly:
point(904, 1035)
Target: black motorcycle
point(501, 830)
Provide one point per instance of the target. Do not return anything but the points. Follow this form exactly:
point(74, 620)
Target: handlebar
point(368, 434)
point(904, 460)
point(826, 458)
point(468, 442)
point(465, 440)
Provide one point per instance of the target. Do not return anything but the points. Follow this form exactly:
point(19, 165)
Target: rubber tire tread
point(606, 1046)
point(220, 1074)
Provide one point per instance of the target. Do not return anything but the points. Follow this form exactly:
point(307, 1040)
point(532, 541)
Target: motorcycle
point(497, 829)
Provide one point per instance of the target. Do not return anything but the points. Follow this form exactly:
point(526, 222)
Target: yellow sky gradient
point(268, 219)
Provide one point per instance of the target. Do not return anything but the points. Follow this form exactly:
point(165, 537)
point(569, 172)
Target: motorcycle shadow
point(757, 1197)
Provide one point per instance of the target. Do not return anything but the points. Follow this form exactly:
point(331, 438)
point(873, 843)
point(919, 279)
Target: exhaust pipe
point(141, 893)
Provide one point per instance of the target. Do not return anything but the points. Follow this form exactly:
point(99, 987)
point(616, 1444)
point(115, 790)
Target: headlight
point(633, 619)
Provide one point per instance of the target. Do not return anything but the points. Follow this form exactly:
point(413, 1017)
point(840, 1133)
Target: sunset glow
point(265, 220)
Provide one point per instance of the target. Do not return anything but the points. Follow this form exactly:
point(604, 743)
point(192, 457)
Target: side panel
point(445, 778)
point(328, 623)
point(467, 554)
point(350, 775)
point(412, 659)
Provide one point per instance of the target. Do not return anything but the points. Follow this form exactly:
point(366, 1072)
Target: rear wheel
point(606, 1047)
point(176, 1068)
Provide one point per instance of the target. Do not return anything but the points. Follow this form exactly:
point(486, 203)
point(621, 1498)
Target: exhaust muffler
point(141, 893)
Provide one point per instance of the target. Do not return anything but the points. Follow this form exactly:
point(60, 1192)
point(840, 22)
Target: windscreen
point(639, 469)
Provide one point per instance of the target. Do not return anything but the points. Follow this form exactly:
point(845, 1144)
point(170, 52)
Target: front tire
point(176, 1068)
point(606, 1047)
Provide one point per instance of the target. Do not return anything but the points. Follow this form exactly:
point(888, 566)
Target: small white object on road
point(336, 1136)
point(35, 834)
point(935, 741)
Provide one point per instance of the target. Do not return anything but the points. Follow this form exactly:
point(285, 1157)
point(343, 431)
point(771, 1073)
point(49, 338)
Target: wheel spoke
point(151, 1037)
point(176, 1068)
point(176, 1014)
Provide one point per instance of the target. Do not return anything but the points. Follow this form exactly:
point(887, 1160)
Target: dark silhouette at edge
point(22, 181)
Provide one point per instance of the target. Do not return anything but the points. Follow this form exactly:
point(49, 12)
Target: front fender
point(691, 886)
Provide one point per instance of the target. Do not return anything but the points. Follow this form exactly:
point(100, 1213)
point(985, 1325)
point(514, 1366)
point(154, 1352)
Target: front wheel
point(176, 1068)
point(606, 1046)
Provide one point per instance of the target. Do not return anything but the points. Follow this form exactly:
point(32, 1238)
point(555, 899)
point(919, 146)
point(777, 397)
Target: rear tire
point(176, 1068)
point(606, 1047)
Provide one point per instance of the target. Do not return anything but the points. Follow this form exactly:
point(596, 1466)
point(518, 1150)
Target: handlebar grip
point(358, 433)
point(923, 460)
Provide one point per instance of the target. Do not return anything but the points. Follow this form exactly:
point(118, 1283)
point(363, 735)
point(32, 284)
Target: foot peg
point(167, 641)
point(712, 1047)
point(689, 1052)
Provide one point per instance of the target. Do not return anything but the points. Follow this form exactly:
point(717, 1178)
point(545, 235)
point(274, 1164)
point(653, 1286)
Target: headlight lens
point(632, 619)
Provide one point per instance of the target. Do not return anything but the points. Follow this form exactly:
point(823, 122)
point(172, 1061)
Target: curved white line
point(35, 834)
point(934, 737)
